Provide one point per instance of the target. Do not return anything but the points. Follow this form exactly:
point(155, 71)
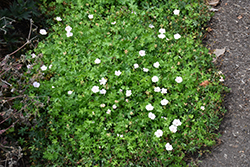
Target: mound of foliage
point(128, 84)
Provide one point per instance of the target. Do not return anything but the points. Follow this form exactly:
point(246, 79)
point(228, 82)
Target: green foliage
point(84, 127)
point(20, 9)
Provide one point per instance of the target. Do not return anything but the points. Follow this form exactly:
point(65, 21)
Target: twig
point(5, 82)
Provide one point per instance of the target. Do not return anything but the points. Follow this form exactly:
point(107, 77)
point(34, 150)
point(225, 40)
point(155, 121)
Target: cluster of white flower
point(69, 33)
point(175, 124)
point(158, 89)
point(162, 35)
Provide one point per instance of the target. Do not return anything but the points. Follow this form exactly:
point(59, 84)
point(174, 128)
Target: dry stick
point(28, 40)
point(2, 131)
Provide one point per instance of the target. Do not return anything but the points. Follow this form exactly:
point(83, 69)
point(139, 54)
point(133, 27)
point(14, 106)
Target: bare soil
point(230, 29)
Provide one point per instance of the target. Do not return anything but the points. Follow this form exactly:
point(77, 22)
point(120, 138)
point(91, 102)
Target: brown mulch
point(230, 29)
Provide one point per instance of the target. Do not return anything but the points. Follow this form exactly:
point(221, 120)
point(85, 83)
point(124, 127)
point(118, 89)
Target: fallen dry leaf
point(219, 52)
point(213, 2)
point(209, 29)
point(239, 17)
point(205, 83)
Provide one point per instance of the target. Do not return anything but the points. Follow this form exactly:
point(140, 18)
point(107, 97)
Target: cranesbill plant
point(122, 94)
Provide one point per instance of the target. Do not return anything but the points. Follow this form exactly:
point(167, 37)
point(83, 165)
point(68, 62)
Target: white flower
point(173, 128)
point(156, 65)
point(103, 91)
point(145, 69)
point(109, 111)
point(28, 66)
point(219, 72)
point(142, 52)
point(118, 135)
point(95, 89)
point(126, 100)
point(176, 122)
point(53, 87)
point(162, 30)
point(121, 135)
point(136, 66)
point(151, 26)
point(43, 32)
point(43, 68)
point(164, 102)
point(158, 133)
point(128, 93)
point(157, 89)
point(221, 79)
point(50, 66)
point(103, 81)
point(178, 79)
point(117, 73)
point(161, 36)
point(97, 61)
point(177, 36)
point(202, 107)
point(120, 90)
point(133, 12)
point(70, 92)
point(169, 147)
point(164, 118)
point(113, 22)
point(69, 34)
point(33, 55)
point(149, 107)
point(151, 115)
point(58, 19)
point(155, 79)
point(114, 106)
point(36, 84)
point(68, 28)
point(176, 12)
point(90, 16)
point(102, 105)
point(163, 90)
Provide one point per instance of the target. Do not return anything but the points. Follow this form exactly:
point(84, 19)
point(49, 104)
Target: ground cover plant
point(128, 84)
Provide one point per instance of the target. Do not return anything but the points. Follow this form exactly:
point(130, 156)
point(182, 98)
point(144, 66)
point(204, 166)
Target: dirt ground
point(230, 29)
